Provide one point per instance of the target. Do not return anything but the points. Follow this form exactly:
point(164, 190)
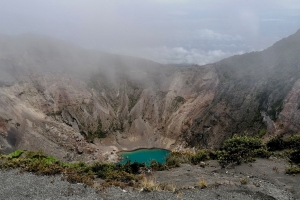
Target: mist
point(180, 32)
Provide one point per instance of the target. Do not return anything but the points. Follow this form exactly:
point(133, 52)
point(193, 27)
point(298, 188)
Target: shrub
point(35, 155)
point(173, 160)
point(156, 166)
point(120, 176)
point(293, 142)
point(182, 157)
point(102, 169)
point(201, 155)
point(294, 169)
point(133, 168)
point(276, 143)
point(15, 154)
point(80, 166)
point(43, 168)
point(241, 149)
point(12, 163)
point(74, 175)
point(261, 153)
point(295, 156)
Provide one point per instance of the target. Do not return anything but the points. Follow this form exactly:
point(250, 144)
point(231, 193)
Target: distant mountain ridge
point(82, 104)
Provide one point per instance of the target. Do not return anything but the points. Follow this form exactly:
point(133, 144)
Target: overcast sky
point(166, 31)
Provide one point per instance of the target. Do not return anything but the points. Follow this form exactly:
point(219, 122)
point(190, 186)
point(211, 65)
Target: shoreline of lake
point(144, 155)
point(142, 149)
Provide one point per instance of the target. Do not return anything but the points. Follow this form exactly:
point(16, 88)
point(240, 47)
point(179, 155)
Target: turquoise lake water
point(145, 155)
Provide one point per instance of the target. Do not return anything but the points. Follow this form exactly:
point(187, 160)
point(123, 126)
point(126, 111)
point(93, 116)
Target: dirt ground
point(264, 176)
point(264, 179)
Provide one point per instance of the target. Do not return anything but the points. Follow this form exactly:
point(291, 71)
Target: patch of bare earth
point(262, 179)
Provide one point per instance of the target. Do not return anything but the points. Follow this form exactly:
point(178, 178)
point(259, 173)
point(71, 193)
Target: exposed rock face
point(79, 104)
point(257, 91)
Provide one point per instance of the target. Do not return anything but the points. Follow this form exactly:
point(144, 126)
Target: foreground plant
point(293, 169)
point(174, 159)
point(241, 149)
point(238, 149)
point(79, 172)
point(289, 148)
point(202, 184)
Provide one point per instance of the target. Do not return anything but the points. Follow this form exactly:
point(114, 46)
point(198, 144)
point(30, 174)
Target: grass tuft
point(202, 184)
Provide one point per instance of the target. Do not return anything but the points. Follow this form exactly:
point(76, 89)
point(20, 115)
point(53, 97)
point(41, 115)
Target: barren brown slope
point(71, 102)
point(61, 99)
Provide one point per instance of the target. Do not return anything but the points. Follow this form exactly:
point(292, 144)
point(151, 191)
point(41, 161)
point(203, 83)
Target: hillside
point(257, 91)
point(81, 104)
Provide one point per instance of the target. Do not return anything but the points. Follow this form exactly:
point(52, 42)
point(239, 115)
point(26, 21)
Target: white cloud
point(180, 55)
point(188, 31)
point(207, 34)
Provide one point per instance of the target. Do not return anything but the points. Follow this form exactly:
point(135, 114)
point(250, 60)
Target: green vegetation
point(99, 133)
point(291, 147)
point(240, 149)
point(276, 143)
point(39, 163)
point(202, 155)
point(262, 133)
point(279, 143)
point(175, 158)
point(15, 154)
point(129, 174)
point(293, 169)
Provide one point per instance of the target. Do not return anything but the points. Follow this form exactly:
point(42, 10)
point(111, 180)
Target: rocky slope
point(80, 104)
point(257, 92)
